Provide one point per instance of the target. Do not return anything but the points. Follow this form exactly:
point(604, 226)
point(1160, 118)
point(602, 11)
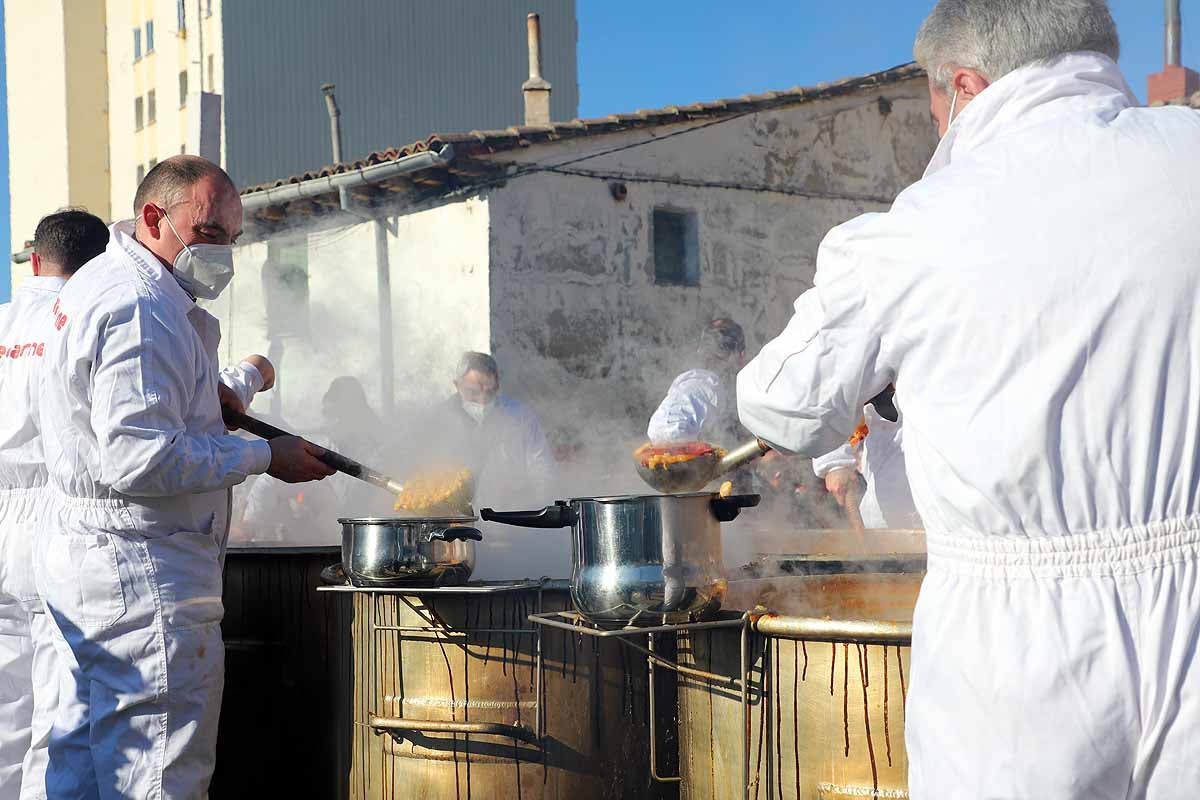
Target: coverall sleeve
point(804, 392)
point(244, 379)
point(835, 459)
point(682, 414)
point(142, 384)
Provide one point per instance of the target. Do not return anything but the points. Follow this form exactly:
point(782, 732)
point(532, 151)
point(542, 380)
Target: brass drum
point(828, 680)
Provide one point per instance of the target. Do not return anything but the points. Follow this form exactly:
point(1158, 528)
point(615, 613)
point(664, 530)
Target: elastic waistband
point(1123, 551)
point(69, 501)
point(18, 505)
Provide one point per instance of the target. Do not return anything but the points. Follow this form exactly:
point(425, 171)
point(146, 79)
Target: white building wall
point(439, 296)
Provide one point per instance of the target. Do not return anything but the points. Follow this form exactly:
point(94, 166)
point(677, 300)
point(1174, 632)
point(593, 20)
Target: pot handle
point(726, 509)
point(457, 533)
point(559, 515)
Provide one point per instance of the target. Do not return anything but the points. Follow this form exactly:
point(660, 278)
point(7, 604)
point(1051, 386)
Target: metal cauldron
point(387, 551)
point(641, 559)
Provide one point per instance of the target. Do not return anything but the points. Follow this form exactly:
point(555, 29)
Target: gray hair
point(477, 362)
point(996, 37)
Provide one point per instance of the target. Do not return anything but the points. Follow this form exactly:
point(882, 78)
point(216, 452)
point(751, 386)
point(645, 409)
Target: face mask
point(476, 411)
point(953, 103)
point(203, 270)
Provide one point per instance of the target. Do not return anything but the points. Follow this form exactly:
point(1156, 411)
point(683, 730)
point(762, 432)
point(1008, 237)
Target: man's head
point(346, 401)
point(722, 343)
point(477, 380)
point(66, 240)
point(965, 45)
point(186, 200)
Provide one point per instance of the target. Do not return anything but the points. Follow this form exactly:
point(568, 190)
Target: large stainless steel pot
point(389, 551)
point(641, 559)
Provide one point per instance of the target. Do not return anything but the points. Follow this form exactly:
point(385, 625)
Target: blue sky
point(650, 53)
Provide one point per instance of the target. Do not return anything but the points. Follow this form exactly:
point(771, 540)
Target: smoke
point(309, 300)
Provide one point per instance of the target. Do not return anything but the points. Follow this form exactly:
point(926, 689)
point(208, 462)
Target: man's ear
point(36, 262)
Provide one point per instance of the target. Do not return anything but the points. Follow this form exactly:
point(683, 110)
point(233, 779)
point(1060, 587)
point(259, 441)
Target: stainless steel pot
point(641, 559)
point(392, 551)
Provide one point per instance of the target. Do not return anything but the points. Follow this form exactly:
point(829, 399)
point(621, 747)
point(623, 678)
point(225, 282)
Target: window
point(153, 163)
point(211, 83)
point(208, 8)
point(138, 121)
point(141, 173)
point(183, 88)
point(151, 111)
point(149, 36)
point(181, 13)
point(676, 246)
point(182, 149)
point(137, 43)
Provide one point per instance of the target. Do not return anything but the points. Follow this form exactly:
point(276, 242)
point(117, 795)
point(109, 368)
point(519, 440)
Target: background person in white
point(62, 243)
point(140, 466)
point(1035, 300)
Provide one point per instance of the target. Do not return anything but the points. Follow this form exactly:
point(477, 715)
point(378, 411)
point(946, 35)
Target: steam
point(593, 401)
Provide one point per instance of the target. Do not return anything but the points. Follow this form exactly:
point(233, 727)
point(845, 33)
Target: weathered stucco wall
point(577, 318)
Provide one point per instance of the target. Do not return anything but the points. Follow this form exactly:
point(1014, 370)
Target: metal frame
point(397, 726)
point(577, 623)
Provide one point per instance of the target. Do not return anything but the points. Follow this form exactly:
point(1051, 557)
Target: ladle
point(694, 474)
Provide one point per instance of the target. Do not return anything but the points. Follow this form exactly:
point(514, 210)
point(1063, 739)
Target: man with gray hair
point(1034, 300)
point(139, 466)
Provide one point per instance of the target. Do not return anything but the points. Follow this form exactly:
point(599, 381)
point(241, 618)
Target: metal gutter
point(376, 173)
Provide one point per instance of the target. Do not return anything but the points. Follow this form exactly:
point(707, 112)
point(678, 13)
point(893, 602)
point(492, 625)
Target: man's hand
point(264, 367)
point(838, 482)
point(294, 460)
point(230, 400)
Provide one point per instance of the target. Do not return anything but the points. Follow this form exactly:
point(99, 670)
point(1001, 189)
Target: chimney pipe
point(537, 89)
point(335, 136)
point(1174, 37)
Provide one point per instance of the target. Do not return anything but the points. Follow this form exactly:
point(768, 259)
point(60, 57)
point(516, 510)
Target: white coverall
point(1041, 285)
point(129, 559)
point(887, 501)
point(28, 666)
point(692, 404)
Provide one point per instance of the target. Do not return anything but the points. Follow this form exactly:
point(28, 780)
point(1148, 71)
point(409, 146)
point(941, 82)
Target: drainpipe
point(335, 136)
point(383, 288)
point(1174, 38)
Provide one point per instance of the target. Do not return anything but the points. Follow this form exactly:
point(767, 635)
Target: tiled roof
point(478, 143)
point(1193, 101)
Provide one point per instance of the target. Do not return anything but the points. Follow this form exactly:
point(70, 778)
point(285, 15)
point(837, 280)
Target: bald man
point(140, 468)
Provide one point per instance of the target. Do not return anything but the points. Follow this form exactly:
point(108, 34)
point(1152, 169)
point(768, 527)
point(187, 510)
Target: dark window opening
point(141, 173)
point(181, 13)
point(676, 248)
point(149, 36)
point(137, 43)
point(138, 119)
point(151, 108)
point(183, 88)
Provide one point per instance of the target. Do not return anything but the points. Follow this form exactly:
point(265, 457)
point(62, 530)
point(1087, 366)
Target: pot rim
point(617, 498)
point(406, 520)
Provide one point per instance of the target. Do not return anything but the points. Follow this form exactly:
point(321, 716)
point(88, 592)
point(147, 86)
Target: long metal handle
point(338, 461)
point(742, 454)
point(382, 724)
point(651, 658)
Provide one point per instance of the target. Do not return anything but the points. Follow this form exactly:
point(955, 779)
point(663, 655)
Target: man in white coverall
point(1035, 300)
point(62, 243)
point(140, 466)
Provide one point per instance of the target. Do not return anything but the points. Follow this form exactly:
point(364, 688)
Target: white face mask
point(953, 103)
point(477, 411)
point(203, 270)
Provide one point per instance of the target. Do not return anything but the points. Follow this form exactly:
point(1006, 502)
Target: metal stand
point(577, 623)
point(398, 726)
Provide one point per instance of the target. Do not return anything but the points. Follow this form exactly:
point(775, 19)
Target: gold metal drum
point(825, 697)
point(457, 695)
